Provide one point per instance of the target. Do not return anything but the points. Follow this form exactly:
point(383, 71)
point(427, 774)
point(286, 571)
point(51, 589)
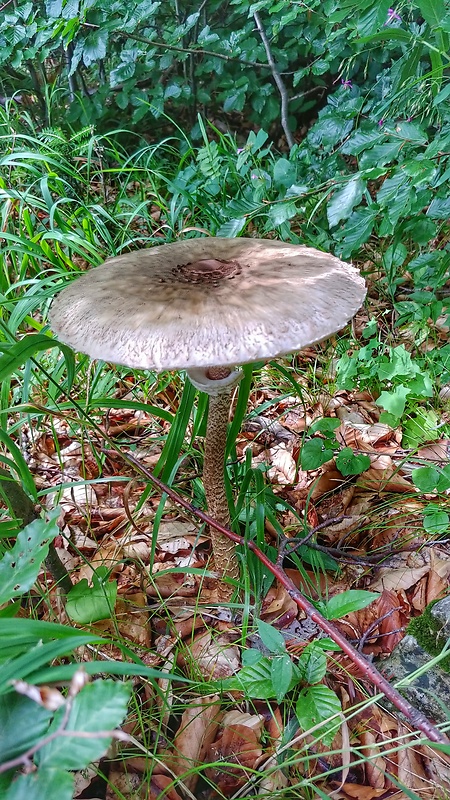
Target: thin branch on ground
point(288, 546)
point(278, 80)
point(415, 717)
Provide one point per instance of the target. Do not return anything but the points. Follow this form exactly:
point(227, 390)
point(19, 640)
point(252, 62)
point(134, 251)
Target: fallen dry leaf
point(215, 656)
point(239, 744)
point(195, 735)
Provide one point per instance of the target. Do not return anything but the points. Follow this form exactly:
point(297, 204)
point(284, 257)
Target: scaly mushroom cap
point(207, 302)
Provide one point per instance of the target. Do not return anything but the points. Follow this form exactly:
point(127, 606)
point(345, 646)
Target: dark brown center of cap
point(207, 270)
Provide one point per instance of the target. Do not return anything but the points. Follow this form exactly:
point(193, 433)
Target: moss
point(430, 634)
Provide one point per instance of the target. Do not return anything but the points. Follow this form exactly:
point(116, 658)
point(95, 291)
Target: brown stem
point(224, 550)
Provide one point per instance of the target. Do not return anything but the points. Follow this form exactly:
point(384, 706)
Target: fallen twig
point(416, 718)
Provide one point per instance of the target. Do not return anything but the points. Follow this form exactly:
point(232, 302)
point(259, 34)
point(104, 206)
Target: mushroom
point(207, 306)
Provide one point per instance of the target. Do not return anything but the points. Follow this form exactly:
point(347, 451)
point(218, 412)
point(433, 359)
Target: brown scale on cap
point(207, 270)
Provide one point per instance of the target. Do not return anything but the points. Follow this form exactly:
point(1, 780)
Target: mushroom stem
point(224, 549)
point(218, 383)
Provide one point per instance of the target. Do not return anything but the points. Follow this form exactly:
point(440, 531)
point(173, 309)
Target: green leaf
point(122, 73)
point(271, 637)
point(172, 90)
point(235, 100)
point(86, 604)
point(380, 154)
point(20, 566)
point(22, 723)
point(425, 478)
point(232, 228)
point(312, 664)
point(53, 8)
point(281, 674)
point(280, 212)
point(284, 173)
point(314, 453)
point(394, 402)
point(100, 706)
point(343, 201)
point(421, 427)
point(347, 602)
point(397, 34)
point(317, 704)
point(394, 196)
point(95, 46)
point(44, 784)
point(439, 208)
point(373, 18)
point(30, 662)
point(441, 96)
point(444, 479)
point(435, 521)
point(357, 230)
point(348, 463)
point(254, 680)
point(250, 657)
point(324, 425)
point(433, 11)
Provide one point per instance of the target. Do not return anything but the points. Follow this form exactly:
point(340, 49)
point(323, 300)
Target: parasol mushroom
point(207, 306)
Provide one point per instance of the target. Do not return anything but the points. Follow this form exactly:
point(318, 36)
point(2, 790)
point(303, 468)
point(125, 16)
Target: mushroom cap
point(207, 302)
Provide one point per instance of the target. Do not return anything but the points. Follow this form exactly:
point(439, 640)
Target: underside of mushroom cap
point(207, 302)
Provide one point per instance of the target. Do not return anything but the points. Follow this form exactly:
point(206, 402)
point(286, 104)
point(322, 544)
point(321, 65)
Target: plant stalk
point(224, 549)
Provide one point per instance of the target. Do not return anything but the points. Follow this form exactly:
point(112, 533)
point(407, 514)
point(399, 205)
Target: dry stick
point(416, 718)
point(146, 40)
point(278, 80)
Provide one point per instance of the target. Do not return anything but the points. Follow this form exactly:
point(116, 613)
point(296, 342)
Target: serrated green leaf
point(22, 723)
point(254, 680)
point(317, 704)
point(380, 154)
point(439, 208)
point(343, 201)
point(284, 173)
point(356, 231)
point(312, 663)
point(44, 784)
point(95, 46)
point(100, 706)
point(232, 227)
point(280, 212)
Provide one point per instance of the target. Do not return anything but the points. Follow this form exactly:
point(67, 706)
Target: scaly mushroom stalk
point(218, 383)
